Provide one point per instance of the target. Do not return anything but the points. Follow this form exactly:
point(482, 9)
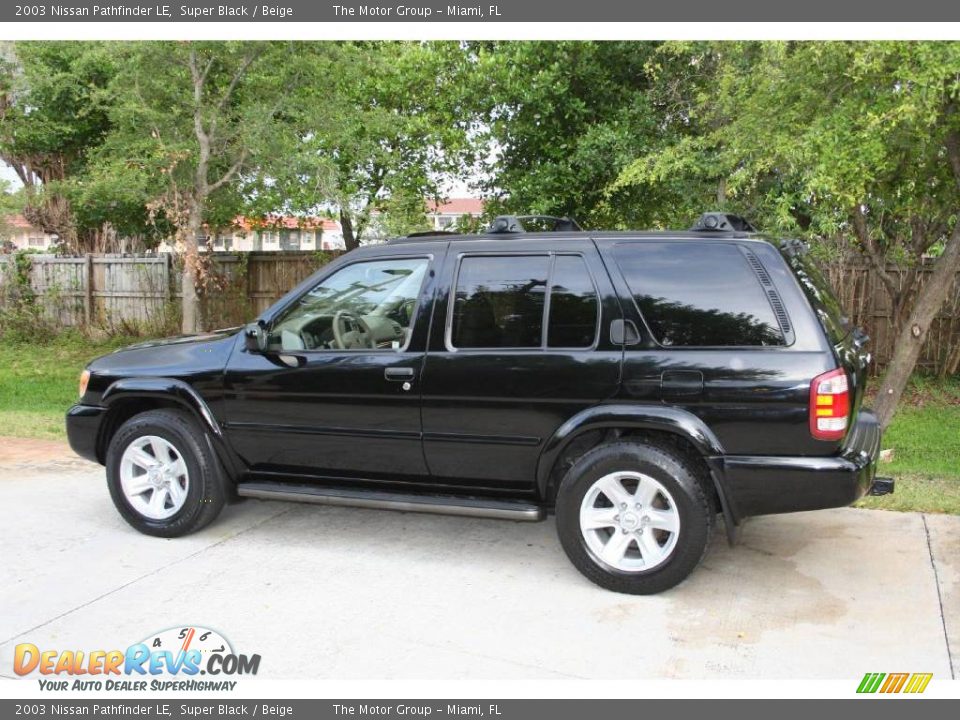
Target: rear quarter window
point(819, 292)
point(694, 294)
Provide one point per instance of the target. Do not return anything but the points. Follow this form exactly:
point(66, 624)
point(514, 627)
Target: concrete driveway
point(343, 593)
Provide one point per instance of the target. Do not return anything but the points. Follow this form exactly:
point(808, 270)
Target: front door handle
point(624, 332)
point(398, 374)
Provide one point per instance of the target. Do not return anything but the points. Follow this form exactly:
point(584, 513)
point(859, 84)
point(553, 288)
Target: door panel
point(338, 415)
point(487, 411)
point(345, 410)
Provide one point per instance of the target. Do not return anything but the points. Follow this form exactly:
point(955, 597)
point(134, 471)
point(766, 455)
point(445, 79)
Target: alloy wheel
point(629, 521)
point(154, 477)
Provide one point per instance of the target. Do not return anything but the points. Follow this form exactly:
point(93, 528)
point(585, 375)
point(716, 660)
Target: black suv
point(637, 384)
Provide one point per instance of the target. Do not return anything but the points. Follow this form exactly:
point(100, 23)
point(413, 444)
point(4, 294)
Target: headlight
point(84, 379)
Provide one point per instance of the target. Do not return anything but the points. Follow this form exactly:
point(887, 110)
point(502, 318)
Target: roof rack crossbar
point(428, 233)
point(503, 224)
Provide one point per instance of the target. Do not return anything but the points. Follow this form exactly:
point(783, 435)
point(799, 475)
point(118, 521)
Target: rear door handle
point(398, 374)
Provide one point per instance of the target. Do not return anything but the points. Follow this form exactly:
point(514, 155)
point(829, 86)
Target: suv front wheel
point(634, 517)
point(163, 476)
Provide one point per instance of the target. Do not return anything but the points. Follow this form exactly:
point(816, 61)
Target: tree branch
point(203, 140)
point(232, 172)
point(237, 76)
point(873, 252)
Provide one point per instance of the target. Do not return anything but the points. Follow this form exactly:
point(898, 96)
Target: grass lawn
point(39, 382)
point(925, 438)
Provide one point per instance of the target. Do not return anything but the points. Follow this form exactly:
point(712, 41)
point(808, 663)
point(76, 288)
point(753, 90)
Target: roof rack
point(722, 222)
point(504, 224)
point(429, 233)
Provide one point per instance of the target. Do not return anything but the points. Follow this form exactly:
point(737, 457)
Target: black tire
point(205, 493)
point(677, 475)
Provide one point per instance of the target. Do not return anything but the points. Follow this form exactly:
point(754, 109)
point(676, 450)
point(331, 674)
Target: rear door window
point(501, 302)
point(694, 294)
point(574, 306)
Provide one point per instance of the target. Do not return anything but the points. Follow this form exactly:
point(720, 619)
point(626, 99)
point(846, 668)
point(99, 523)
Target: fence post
point(168, 259)
point(88, 295)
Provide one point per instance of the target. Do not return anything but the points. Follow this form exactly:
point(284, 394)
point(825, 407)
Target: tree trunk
point(350, 240)
point(722, 193)
point(912, 335)
point(190, 323)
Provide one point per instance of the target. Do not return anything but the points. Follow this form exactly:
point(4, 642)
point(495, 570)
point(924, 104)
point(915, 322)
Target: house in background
point(273, 233)
point(23, 236)
point(279, 233)
point(444, 215)
point(439, 216)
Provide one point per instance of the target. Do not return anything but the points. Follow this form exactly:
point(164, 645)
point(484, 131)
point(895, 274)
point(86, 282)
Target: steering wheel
point(339, 326)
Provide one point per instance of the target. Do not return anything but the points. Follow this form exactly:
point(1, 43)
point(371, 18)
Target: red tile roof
point(18, 221)
point(289, 222)
point(456, 206)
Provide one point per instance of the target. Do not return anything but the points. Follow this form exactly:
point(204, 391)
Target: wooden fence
point(142, 293)
point(863, 295)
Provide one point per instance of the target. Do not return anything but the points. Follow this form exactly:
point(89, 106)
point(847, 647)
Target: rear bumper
point(766, 485)
point(83, 429)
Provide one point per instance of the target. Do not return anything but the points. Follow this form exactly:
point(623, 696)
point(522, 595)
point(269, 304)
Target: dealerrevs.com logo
point(173, 659)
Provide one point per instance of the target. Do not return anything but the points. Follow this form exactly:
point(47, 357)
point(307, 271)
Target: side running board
point(406, 502)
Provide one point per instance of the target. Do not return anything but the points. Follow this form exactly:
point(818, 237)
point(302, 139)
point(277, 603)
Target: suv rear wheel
point(633, 517)
point(162, 475)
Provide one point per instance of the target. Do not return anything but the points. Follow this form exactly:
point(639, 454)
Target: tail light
point(830, 405)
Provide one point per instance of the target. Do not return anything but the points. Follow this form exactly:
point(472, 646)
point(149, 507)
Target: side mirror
point(255, 338)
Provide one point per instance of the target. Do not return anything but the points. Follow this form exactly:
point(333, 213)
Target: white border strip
point(258, 688)
point(479, 31)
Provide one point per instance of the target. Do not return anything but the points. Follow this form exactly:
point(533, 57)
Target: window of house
point(223, 242)
point(35, 242)
point(289, 239)
point(694, 294)
point(500, 302)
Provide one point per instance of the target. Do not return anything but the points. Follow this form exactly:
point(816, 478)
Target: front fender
point(163, 388)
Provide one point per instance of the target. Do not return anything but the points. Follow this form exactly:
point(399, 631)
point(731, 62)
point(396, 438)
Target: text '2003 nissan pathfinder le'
point(637, 384)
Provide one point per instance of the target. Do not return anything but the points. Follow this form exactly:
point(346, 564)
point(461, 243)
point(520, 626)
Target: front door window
point(363, 306)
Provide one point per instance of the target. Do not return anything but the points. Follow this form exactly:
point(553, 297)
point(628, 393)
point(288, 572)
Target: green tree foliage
point(860, 140)
point(380, 123)
point(190, 120)
point(562, 120)
point(52, 116)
